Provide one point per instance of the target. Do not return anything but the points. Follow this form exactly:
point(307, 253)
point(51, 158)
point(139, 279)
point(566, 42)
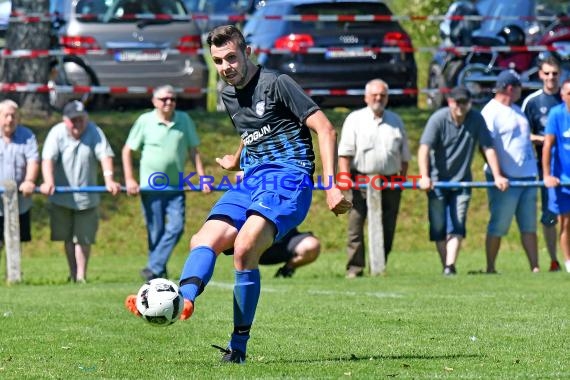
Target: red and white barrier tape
point(45, 17)
point(458, 50)
point(44, 88)
point(28, 53)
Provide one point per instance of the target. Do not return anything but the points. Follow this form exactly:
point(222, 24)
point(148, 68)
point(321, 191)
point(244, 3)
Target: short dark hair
point(550, 60)
point(221, 35)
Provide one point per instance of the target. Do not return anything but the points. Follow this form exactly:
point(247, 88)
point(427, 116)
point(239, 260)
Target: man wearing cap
point(510, 131)
point(69, 158)
point(445, 154)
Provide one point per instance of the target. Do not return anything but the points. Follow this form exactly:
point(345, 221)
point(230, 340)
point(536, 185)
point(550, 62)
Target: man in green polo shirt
point(166, 138)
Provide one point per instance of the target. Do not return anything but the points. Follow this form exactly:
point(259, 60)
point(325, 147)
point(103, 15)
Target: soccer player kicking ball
point(274, 118)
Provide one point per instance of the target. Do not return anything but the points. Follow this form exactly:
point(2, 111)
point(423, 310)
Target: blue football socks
point(246, 294)
point(197, 272)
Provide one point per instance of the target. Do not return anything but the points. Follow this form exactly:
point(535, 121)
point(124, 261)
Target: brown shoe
point(351, 274)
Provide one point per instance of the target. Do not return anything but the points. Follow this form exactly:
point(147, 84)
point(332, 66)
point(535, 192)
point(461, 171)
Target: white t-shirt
point(510, 131)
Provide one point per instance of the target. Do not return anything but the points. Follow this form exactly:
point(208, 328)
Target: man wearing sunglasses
point(166, 138)
point(536, 107)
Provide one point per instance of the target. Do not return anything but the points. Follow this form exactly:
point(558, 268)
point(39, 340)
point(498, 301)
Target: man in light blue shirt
point(19, 162)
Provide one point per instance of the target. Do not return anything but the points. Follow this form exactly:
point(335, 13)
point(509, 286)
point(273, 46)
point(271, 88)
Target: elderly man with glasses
point(166, 138)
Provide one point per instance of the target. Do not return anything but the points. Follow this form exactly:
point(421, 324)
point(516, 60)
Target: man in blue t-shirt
point(274, 118)
point(556, 167)
point(536, 107)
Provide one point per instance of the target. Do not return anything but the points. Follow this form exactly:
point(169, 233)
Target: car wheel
point(477, 79)
point(71, 71)
point(436, 83)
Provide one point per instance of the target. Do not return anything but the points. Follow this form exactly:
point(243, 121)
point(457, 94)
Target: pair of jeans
point(447, 212)
point(519, 202)
point(164, 214)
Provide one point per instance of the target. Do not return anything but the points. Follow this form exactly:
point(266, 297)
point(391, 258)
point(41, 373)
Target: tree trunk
point(34, 36)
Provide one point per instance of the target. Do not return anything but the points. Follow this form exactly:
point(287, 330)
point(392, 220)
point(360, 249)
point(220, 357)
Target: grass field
point(412, 323)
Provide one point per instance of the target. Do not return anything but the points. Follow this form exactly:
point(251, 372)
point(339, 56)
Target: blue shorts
point(515, 201)
point(559, 200)
point(279, 194)
point(447, 210)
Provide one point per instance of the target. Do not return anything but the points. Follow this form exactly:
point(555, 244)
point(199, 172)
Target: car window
point(503, 12)
point(218, 6)
point(345, 8)
point(257, 25)
point(124, 10)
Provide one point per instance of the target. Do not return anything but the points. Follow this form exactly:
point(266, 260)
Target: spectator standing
point(69, 158)
point(446, 151)
point(273, 117)
point(556, 167)
point(166, 138)
point(373, 141)
point(510, 131)
point(19, 162)
point(536, 107)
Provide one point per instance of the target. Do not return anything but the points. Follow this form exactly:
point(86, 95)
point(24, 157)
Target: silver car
point(140, 44)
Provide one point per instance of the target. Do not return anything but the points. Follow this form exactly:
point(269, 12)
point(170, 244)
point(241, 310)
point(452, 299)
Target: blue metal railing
point(403, 185)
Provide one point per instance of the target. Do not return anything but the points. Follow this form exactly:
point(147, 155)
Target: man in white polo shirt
point(373, 141)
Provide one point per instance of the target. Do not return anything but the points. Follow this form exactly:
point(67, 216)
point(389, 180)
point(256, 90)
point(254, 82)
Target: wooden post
point(375, 231)
point(12, 232)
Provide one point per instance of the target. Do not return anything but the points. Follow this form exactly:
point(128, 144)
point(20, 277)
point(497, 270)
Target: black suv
point(347, 51)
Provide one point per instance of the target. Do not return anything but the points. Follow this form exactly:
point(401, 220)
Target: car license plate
point(349, 53)
point(138, 55)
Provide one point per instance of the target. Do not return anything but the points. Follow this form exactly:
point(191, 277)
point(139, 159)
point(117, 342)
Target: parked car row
point(137, 50)
point(515, 23)
point(349, 60)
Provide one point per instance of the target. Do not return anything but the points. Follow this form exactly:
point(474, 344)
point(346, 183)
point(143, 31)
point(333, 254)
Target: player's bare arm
point(229, 161)
point(320, 124)
point(549, 179)
point(423, 164)
point(130, 182)
point(501, 182)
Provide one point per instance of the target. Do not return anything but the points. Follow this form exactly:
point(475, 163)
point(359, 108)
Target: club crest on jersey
point(260, 108)
point(543, 110)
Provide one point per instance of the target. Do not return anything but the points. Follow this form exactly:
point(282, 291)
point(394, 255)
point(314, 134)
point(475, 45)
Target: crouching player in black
point(295, 250)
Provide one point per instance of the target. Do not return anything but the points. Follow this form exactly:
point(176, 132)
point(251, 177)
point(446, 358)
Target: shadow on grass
point(354, 357)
